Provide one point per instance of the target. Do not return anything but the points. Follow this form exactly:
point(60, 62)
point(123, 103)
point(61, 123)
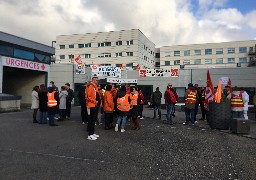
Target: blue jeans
point(190, 115)
point(121, 120)
point(42, 117)
point(170, 109)
point(237, 114)
point(157, 107)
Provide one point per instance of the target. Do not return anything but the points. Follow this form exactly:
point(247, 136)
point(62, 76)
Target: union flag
point(79, 60)
point(209, 91)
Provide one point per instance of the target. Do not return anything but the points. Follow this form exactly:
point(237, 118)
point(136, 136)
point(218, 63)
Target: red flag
point(218, 93)
point(138, 67)
point(229, 85)
point(78, 60)
point(71, 56)
point(209, 91)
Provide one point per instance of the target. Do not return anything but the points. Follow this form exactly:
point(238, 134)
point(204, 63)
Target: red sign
point(24, 64)
point(174, 72)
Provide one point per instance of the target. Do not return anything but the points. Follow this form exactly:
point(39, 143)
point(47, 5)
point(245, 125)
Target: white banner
point(24, 64)
point(80, 69)
point(121, 81)
point(159, 72)
point(106, 71)
point(224, 80)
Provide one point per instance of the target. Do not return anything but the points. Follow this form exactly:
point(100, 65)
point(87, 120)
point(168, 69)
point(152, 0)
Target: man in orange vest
point(93, 102)
point(123, 108)
point(135, 102)
point(190, 102)
point(236, 102)
point(108, 107)
point(53, 103)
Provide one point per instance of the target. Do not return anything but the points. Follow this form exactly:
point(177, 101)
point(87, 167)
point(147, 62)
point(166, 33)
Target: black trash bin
point(219, 115)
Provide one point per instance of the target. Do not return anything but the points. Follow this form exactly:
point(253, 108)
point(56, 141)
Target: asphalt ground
point(156, 151)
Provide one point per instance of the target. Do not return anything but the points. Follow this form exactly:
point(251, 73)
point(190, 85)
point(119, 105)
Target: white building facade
point(209, 55)
point(116, 48)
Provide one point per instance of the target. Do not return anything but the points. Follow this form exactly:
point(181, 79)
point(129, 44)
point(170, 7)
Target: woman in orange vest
point(123, 108)
point(108, 107)
point(53, 103)
point(135, 102)
point(236, 102)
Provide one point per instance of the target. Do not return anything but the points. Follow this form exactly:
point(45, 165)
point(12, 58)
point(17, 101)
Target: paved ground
point(157, 151)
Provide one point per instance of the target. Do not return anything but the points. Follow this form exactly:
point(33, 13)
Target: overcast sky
point(164, 22)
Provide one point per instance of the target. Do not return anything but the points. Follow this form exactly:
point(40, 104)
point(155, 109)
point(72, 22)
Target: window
point(87, 45)
point(197, 52)
point(177, 62)
point(167, 54)
point(42, 58)
point(104, 44)
point(231, 60)
point(157, 55)
point(242, 50)
point(219, 61)
point(219, 51)
point(119, 43)
point(251, 49)
point(208, 61)
point(167, 63)
point(186, 62)
point(87, 56)
point(71, 56)
point(24, 54)
point(5, 50)
point(231, 50)
point(129, 42)
point(104, 55)
point(176, 53)
point(187, 53)
point(208, 51)
point(119, 54)
point(80, 45)
point(71, 46)
point(243, 60)
point(62, 56)
point(197, 61)
point(62, 46)
point(129, 53)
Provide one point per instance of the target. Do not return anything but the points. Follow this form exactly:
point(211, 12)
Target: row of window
point(23, 54)
point(101, 55)
point(207, 61)
point(208, 51)
point(118, 43)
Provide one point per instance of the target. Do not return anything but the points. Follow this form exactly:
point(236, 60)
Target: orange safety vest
point(123, 103)
point(236, 101)
point(134, 99)
point(191, 97)
point(51, 101)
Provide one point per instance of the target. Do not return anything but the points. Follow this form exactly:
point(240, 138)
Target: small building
point(23, 64)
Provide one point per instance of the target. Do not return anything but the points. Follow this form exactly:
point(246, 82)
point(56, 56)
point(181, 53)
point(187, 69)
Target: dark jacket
point(43, 99)
point(156, 97)
point(81, 95)
point(70, 95)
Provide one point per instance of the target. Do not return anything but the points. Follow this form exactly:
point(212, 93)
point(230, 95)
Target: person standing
point(69, 100)
point(53, 103)
point(108, 107)
point(156, 100)
point(190, 102)
point(201, 100)
point(170, 101)
point(246, 101)
point(236, 102)
point(254, 102)
point(62, 106)
point(123, 108)
point(142, 100)
point(43, 99)
point(92, 103)
point(35, 102)
point(135, 102)
point(82, 102)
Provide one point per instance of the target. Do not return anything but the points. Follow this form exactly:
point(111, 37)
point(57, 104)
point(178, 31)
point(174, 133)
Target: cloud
point(164, 22)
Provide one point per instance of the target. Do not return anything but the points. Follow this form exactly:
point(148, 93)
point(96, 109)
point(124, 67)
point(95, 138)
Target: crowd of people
point(51, 101)
point(125, 103)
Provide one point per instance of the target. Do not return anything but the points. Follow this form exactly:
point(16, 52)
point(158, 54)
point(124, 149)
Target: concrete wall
point(61, 74)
